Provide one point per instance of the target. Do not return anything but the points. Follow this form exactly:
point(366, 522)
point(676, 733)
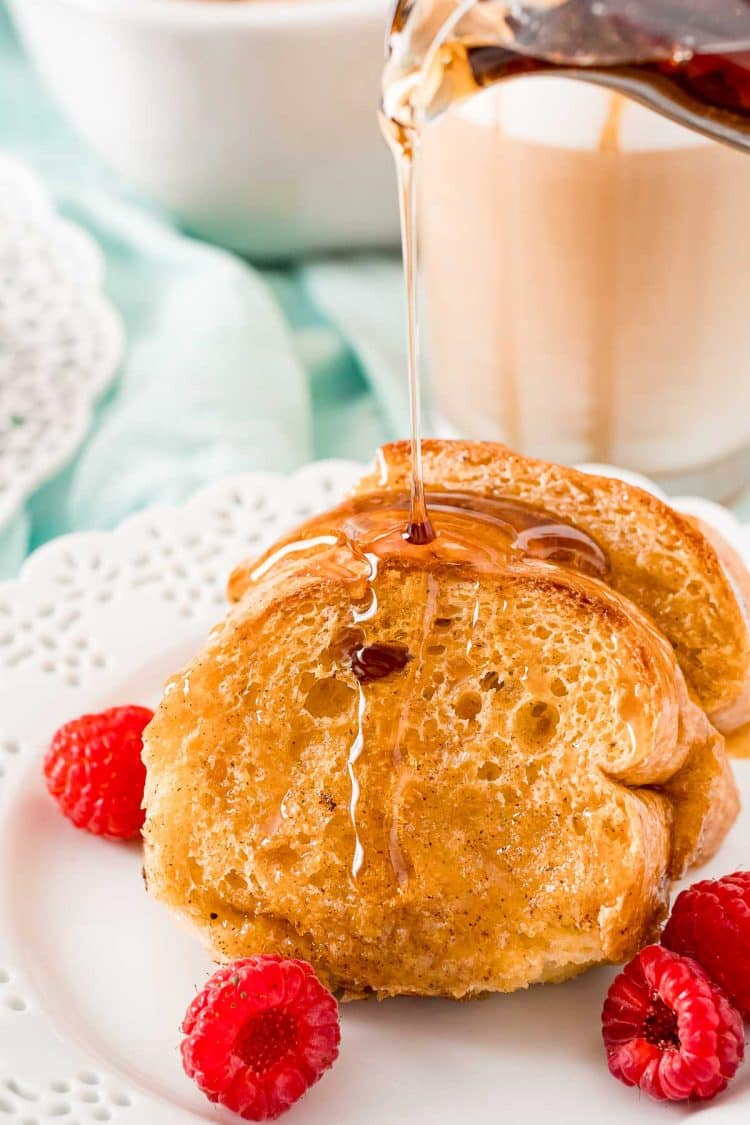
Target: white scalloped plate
point(60, 339)
point(95, 978)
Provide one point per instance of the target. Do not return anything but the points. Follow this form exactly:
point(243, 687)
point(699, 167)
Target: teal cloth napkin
point(227, 367)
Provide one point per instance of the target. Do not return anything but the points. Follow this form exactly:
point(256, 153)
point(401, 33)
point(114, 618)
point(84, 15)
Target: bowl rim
point(231, 13)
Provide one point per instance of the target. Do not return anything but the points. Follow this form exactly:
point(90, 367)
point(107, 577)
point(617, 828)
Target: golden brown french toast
point(430, 776)
point(659, 559)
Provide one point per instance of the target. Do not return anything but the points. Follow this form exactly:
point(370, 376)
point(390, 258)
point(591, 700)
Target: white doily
point(60, 340)
point(94, 977)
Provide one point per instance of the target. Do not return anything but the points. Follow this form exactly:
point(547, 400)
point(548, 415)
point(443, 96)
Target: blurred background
point(257, 354)
point(585, 264)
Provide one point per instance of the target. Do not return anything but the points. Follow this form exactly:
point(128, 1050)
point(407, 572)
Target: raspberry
point(670, 1030)
point(711, 923)
point(261, 1032)
point(94, 771)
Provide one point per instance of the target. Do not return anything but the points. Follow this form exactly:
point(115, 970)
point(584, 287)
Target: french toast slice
point(663, 561)
point(507, 806)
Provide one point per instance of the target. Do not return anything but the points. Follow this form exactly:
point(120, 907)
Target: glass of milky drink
point(584, 245)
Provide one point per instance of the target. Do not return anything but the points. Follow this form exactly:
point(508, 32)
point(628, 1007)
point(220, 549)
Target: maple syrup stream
point(419, 529)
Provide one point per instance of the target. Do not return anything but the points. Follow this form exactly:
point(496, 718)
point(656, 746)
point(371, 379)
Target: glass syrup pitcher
point(687, 59)
point(563, 316)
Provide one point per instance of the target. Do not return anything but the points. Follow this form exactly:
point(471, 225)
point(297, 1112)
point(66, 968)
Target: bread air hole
point(282, 857)
point(535, 723)
point(468, 705)
point(328, 698)
point(610, 830)
point(217, 770)
point(488, 771)
point(195, 871)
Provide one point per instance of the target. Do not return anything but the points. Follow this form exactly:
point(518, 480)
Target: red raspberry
point(669, 1030)
point(711, 923)
point(94, 771)
point(261, 1032)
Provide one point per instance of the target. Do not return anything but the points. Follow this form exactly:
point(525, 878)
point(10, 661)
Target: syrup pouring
point(687, 59)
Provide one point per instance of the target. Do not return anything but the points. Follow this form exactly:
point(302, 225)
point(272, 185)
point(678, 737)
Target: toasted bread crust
point(659, 559)
point(735, 716)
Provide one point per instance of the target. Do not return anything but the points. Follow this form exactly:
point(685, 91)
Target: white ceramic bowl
point(253, 123)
